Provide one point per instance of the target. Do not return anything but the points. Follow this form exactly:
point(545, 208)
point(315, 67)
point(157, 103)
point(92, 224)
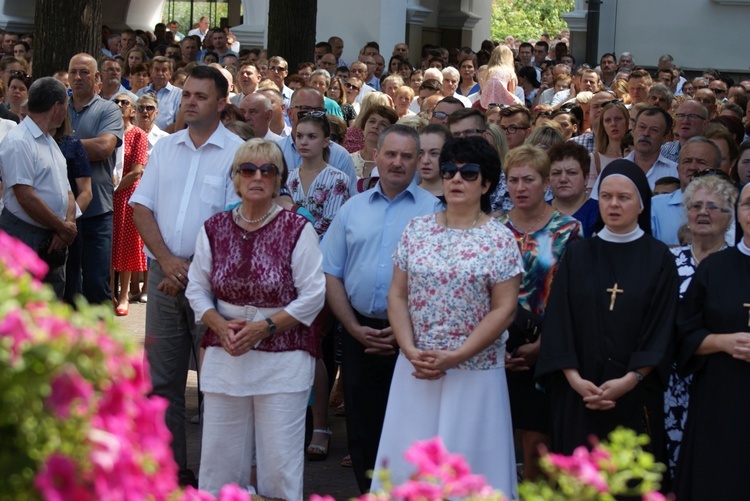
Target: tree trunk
point(291, 31)
point(62, 29)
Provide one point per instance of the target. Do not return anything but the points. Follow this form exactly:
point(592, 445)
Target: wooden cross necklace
point(615, 291)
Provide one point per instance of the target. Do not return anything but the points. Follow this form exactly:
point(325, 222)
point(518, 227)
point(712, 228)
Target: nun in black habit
point(714, 345)
point(608, 330)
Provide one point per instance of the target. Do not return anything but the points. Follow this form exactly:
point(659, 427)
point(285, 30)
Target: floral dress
point(324, 197)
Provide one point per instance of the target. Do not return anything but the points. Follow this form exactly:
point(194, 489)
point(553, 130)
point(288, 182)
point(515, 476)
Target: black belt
point(375, 323)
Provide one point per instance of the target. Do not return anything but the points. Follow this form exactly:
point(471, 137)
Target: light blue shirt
point(667, 216)
point(340, 159)
point(358, 246)
point(661, 168)
point(169, 103)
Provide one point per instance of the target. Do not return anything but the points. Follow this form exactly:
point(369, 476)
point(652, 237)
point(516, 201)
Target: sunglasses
point(248, 169)
point(121, 102)
point(311, 113)
point(145, 107)
point(18, 73)
point(276, 68)
point(351, 86)
point(469, 172)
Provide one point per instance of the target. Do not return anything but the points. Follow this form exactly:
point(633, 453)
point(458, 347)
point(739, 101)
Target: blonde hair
point(405, 89)
point(526, 154)
point(258, 148)
point(370, 100)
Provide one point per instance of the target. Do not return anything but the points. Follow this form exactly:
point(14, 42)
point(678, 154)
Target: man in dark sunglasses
point(186, 182)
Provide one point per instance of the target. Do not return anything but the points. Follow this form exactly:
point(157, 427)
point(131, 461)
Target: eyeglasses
point(719, 91)
point(469, 172)
point(248, 169)
point(351, 86)
point(276, 68)
point(121, 102)
point(468, 133)
point(145, 107)
point(512, 129)
point(306, 109)
point(496, 105)
point(711, 208)
point(688, 116)
point(311, 113)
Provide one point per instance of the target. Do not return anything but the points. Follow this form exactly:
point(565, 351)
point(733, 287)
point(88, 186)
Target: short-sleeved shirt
point(339, 159)
point(359, 243)
point(169, 98)
point(98, 117)
point(183, 185)
point(30, 157)
point(451, 274)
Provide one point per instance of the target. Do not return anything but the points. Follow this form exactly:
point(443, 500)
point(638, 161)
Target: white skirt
point(470, 412)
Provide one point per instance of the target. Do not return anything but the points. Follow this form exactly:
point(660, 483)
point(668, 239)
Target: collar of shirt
point(410, 191)
point(33, 128)
point(218, 138)
point(660, 163)
point(71, 105)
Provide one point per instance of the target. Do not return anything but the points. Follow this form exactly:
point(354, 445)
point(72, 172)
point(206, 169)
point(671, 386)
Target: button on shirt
point(661, 168)
point(184, 185)
point(169, 103)
point(667, 215)
point(340, 159)
point(358, 246)
point(32, 158)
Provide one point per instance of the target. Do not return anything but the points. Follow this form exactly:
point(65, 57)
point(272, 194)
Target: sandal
point(319, 452)
point(347, 461)
point(340, 410)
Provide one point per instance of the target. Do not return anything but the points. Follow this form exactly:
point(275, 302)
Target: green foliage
point(528, 18)
point(180, 12)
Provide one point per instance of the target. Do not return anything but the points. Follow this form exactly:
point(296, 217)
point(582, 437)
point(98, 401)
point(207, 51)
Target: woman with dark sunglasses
point(453, 294)
point(257, 283)
point(542, 234)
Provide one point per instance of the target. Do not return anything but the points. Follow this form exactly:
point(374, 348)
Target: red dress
point(127, 246)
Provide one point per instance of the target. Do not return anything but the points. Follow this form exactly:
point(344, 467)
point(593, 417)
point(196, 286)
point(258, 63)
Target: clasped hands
point(431, 364)
point(604, 397)
point(238, 336)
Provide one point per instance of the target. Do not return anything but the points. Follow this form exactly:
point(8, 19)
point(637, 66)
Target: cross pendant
point(747, 305)
point(614, 290)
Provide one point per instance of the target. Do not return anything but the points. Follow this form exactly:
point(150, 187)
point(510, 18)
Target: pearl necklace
point(253, 221)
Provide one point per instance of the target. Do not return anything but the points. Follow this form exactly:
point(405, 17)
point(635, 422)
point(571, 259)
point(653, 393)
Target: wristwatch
point(272, 329)
point(638, 375)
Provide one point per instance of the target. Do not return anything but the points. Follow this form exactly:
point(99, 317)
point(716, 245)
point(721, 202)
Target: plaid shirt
point(671, 150)
point(585, 140)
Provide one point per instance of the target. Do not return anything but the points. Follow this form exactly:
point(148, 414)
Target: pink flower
point(13, 327)
point(320, 196)
point(58, 480)
point(70, 393)
point(193, 494)
point(653, 496)
point(580, 466)
point(233, 492)
point(19, 258)
point(418, 491)
point(339, 188)
point(315, 497)
point(427, 456)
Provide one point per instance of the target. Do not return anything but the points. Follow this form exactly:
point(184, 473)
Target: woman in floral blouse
point(315, 185)
point(455, 283)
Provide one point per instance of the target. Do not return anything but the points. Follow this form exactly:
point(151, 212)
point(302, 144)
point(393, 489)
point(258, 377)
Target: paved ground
point(321, 477)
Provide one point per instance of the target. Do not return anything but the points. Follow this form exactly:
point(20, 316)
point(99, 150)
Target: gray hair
point(401, 130)
point(325, 74)
point(705, 140)
point(726, 192)
point(663, 90)
point(45, 93)
point(451, 72)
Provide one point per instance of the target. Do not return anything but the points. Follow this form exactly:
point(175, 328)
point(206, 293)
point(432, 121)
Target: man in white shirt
point(39, 206)
point(247, 79)
point(202, 28)
point(257, 110)
point(186, 182)
point(168, 95)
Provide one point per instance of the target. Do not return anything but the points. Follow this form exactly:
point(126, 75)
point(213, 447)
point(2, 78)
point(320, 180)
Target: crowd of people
point(475, 242)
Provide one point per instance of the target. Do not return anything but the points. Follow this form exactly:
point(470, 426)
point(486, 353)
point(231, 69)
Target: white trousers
point(272, 425)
